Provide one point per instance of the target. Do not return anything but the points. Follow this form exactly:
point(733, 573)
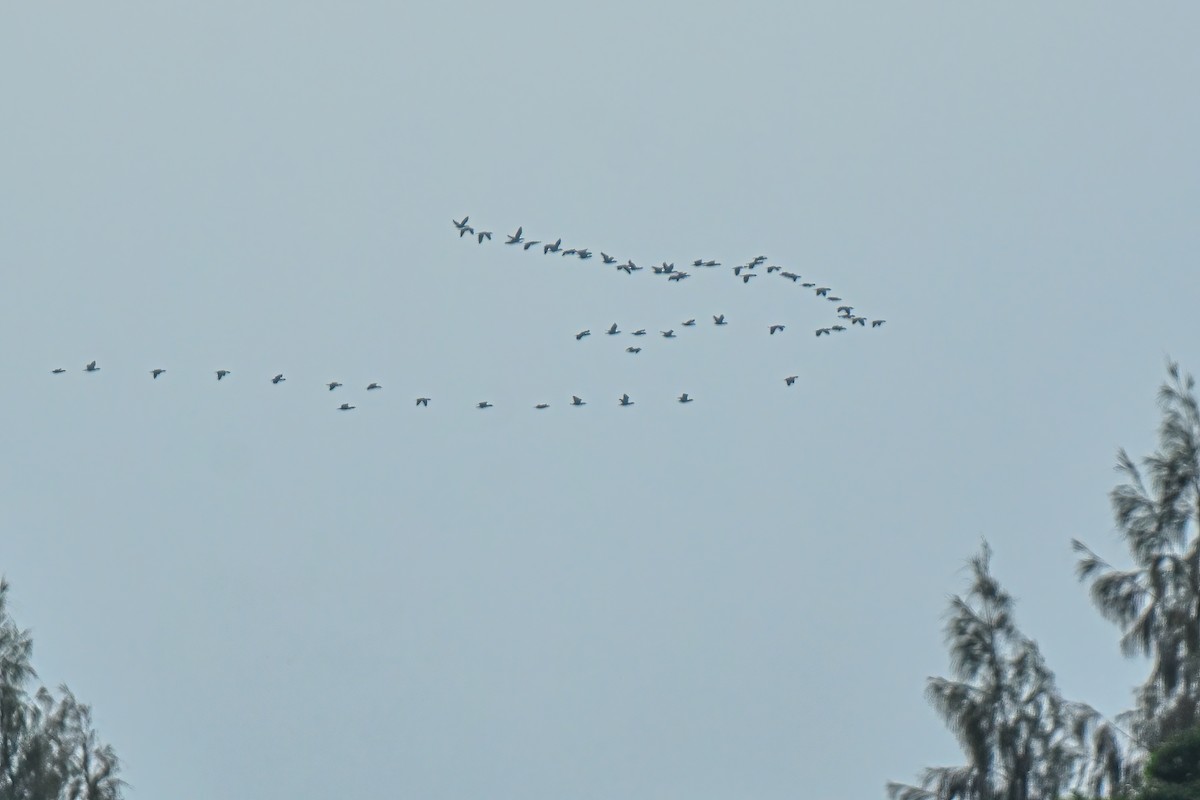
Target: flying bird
point(423, 401)
point(570, 252)
point(530, 244)
point(484, 235)
point(859, 321)
point(465, 230)
point(582, 334)
point(689, 323)
point(612, 331)
point(711, 264)
point(607, 258)
point(542, 405)
point(575, 401)
point(822, 291)
point(483, 404)
point(845, 309)
point(221, 373)
point(678, 276)
point(625, 401)
point(822, 330)
point(698, 263)
point(790, 379)
point(834, 299)
point(719, 319)
point(668, 334)
point(460, 225)
point(837, 328)
point(156, 372)
point(633, 349)
point(373, 387)
point(746, 278)
point(346, 407)
point(808, 285)
point(58, 371)
point(640, 332)
point(551, 248)
point(875, 323)
point(773, 268)
point(683, 398)
point(516, 237)
point(91, 367)
point(584, 254)
point(776, 329)
point(333, 385)
point(278, 378)
point(793, 277)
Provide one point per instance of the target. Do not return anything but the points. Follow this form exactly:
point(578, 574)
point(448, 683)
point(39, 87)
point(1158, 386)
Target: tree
point(1157, 602)
point(1022, 740)
point(48, 748)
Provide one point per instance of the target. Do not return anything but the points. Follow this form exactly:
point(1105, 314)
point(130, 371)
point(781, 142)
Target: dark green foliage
point(48, 748)
point(1173, 771)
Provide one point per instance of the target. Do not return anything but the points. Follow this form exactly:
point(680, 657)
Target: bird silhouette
point(221, 373)
point(625, 401)
point(607, 258)
point(465, 231)
point(530, 244)
point(640, 332)
point(542, 405)
point(278, 378)
point(423, 401)
point(689, 323)
point(584, 254)
point(789, 380)
point(484, 235)
point(822, 330)
point(372, 387)
point(776, 329)
point(569, 252)
point(746, 278)
point(483, 404)
point(552, 248)
point(516, 237)
point(612, 331)
point(678, 276)
point(875, 323)
point(346, 407)
point(575, 401)
point(719, 319)
point(668, 334)
point(333, 385)
point(91, 367)
point(633, 349)
point(460, 225)
point(683, 398)
point(156, 372)
point(822, 291)
point(58, 371)
point(582, 334)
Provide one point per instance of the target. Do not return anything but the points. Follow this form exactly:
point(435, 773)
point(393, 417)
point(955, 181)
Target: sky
point(262, 597)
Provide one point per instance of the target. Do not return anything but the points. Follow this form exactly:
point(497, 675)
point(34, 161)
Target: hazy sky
point(263, 598)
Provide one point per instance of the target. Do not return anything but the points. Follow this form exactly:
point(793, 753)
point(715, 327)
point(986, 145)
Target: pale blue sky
point(742, 597)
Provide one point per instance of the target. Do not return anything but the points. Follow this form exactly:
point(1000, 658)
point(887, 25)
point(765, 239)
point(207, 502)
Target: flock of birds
point(746, 272)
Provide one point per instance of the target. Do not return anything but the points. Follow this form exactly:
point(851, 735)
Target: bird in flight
point(465, 230)
point(773, 268)
point(423, 401)
point(719, 319)
point(278, 378)
point(668, 334)
point(460, 225)
point(552, 248)
point(58, 371)
point(612, 331)
point(484, 404)
point(640, 332)
point(790, 275)
point(542, 405)
point(711, 264)
point(633, 349)
point(845, 310)
point(516, 237)
point(776, 329)
point(677, 276)
point(625, 401)
point(834, 299)
point(91, 367)
point(822, 291)
point(837, 328)
point(875, 323)
point(484, 235)
point(576, 401)
point(607, 258)
point(822, 330)
point(582, 334)
point(373, 387)
point(689, 323)
point(346, 407)
point(570, 252)
point(221, 373)
point(584, 254)
point(333, 385)
point(790, 379)
point(156, 372)
point(530, 244)
point(746, 278)
point(683, 398)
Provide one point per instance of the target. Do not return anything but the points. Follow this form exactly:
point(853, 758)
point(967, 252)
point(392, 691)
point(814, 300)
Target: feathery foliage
point(1022, 740)
point(1157, 602)
point(48, 748)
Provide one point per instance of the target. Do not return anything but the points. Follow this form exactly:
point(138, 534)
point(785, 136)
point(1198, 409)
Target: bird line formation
point(745, 272)
point(421, 402)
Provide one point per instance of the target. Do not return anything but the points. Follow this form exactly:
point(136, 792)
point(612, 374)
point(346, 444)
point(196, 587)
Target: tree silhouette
point(1022, 740)
point(1157, 602)
point(48, 748)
